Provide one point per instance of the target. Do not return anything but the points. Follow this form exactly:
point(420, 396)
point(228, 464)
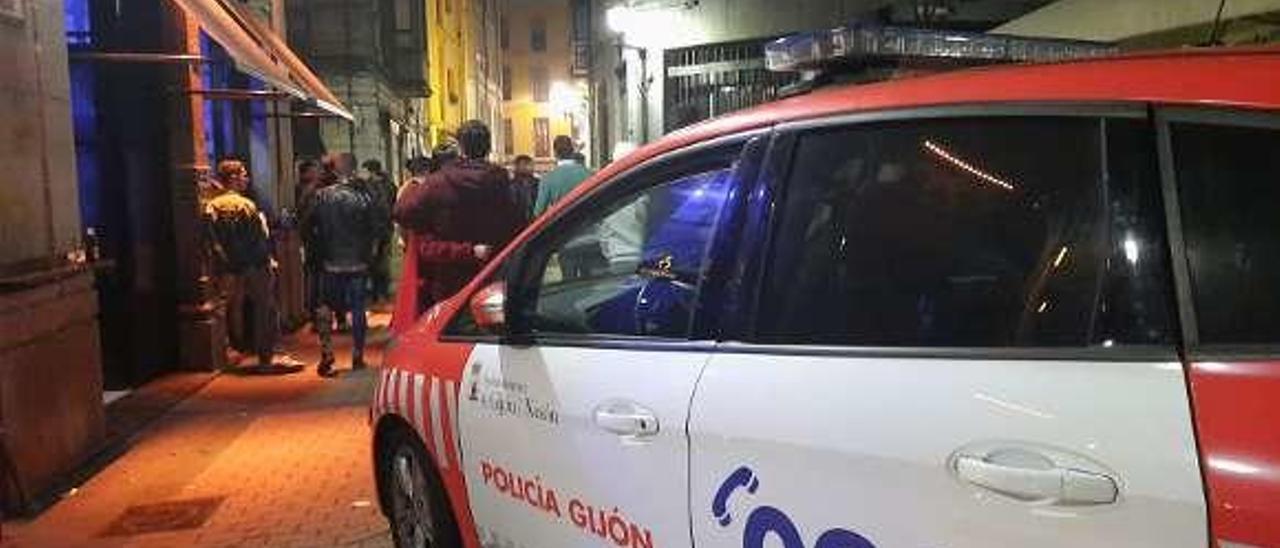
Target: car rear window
point(1229, 185)
point(971, 232)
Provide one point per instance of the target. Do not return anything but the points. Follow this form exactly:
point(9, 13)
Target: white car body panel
point(862, 444)
point(644, 482)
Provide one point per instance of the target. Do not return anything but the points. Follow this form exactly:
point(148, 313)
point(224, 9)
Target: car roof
point(1236, 77)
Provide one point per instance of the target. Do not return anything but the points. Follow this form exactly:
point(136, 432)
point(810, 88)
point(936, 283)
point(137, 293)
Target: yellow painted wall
point(520, 59)
point(480, 41)
point(446, 54)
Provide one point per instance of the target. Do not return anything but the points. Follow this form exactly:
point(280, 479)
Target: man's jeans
point(255, 286)
point(343, 291)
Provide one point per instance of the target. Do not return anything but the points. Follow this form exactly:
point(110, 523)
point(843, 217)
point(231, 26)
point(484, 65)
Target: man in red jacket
point(460, 215)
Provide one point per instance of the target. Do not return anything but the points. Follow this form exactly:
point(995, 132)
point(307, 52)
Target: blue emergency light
point(812, 51)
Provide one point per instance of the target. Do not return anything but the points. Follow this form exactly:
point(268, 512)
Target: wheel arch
point(387, 426)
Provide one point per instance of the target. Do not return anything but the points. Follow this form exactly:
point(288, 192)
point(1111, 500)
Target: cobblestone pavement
point(287, 455)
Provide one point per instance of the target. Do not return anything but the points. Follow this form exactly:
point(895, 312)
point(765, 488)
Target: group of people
point(462, 209)
point(456, 211)
point(345, 222)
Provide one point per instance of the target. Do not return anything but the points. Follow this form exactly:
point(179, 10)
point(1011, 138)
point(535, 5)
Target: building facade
point(1142, 24)
point(117, 112)
point(484, 69)
point(464, 61)
point(544, 91)
point(657, 66)
point(372, 53)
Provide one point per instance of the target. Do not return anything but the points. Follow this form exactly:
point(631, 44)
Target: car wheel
point(419, 511)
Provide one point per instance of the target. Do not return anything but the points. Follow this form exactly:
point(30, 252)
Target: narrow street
point(248, 460)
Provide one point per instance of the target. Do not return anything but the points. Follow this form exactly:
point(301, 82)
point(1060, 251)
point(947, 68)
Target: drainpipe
point(346, 37)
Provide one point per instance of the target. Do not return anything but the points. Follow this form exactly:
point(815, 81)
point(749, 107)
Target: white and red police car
point(1022, 306)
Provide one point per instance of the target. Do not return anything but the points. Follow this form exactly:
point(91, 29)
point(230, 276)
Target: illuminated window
point(541, 137)
point(540, 83)
point(508, 137)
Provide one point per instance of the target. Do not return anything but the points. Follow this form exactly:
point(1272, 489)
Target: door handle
point(626, 419)
point(1058, 485)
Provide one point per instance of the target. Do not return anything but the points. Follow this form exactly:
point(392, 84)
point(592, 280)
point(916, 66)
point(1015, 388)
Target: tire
point(418, 509)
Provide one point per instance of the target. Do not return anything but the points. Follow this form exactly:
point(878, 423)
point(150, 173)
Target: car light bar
point(814, 50)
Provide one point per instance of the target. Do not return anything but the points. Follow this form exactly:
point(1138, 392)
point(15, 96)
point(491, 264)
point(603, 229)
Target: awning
point(260, 52)
point(297, 68)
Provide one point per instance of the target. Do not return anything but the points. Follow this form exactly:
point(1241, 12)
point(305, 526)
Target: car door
point(963, 338)
point(1221, 169)
point(573, 425)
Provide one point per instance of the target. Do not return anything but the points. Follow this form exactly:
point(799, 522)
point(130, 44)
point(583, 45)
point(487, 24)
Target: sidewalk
point(249, 460)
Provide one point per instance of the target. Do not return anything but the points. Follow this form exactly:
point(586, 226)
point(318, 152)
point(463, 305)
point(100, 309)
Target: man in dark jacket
point(342, 225)
point(461, 215)
point(336, 167)
point(377, 184)
point(524, 184)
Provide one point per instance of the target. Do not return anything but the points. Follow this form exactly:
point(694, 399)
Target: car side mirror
point(488, 307)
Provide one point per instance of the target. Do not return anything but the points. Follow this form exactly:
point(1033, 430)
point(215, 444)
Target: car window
point(1229, 185)
point(634, 264)
point(971, 232)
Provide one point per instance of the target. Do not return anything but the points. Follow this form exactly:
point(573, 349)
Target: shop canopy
point(260, 52)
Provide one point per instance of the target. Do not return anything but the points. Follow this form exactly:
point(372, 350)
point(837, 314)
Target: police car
point(1033, 305)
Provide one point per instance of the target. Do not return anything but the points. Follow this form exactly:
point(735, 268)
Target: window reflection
point(967, 232)
point(635, 269)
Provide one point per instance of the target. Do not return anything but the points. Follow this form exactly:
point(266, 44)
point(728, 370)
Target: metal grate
point(175, 515)
point(709, 80)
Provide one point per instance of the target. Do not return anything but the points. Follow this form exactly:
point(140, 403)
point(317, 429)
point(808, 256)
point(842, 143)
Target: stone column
point(202, 329)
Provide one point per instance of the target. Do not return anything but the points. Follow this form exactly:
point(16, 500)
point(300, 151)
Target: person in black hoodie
point(461, 215)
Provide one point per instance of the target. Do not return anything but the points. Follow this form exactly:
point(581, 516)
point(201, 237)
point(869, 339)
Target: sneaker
point(286, 360)
point(357, 364)
point(325, 369)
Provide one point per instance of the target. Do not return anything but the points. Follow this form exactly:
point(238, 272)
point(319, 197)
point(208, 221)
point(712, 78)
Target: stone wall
point(50, 363)
point(369, 97)
point(50, 383)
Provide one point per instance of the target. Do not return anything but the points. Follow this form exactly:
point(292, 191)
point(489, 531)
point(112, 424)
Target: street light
point(640, 17)
point(566, 98)
point(640, 26)
point(619, 18)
